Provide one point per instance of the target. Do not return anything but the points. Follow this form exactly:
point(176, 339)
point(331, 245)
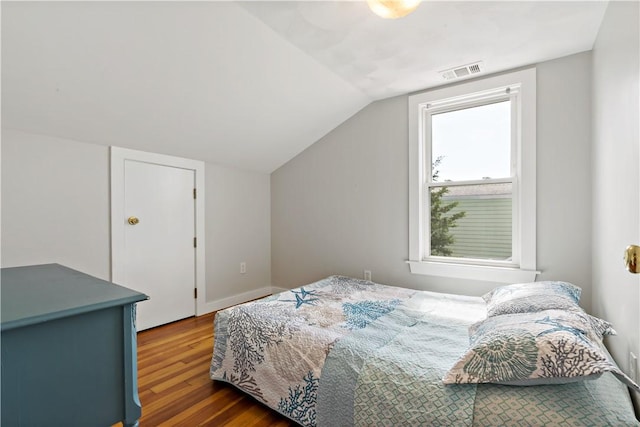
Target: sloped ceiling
point(250, 84)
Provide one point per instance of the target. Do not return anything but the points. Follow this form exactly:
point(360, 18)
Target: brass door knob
point(632, 259)
point(133, 220)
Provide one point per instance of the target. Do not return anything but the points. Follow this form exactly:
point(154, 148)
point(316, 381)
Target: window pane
point(473, 143)
point(472, 221)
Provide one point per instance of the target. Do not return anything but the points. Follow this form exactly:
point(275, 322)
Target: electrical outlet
point(633, 366)
point(243, 267)
point(367, 275)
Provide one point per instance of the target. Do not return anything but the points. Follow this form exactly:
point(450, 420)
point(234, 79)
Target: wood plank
point(174, 385)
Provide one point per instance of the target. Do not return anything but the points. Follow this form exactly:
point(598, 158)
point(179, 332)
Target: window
point(472, 184)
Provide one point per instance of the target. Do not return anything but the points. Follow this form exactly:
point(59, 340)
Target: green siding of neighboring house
point(485, 231)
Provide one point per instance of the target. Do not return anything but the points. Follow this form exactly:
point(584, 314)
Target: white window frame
point(520, 88)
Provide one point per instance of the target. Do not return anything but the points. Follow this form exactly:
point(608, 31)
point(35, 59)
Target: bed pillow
point(545, 347)
point(532, 297)
point(601, 327)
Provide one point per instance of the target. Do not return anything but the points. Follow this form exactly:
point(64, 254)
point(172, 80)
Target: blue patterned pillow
point(532, 297)
point(601, 327)
point(545, 347)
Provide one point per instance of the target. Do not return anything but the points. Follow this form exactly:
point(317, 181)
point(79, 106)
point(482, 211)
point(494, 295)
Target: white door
point(159, 249)
point(154, 228)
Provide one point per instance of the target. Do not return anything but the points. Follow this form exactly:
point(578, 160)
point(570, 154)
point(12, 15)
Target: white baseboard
point(277, 290)
point(219, 304)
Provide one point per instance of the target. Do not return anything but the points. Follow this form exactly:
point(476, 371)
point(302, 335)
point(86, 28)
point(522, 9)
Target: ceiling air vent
point(463, 71)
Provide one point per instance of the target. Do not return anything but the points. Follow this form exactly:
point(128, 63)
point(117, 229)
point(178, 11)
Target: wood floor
point(174, 384)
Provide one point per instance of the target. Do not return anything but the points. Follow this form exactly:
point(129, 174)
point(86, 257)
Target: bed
point(344, 351)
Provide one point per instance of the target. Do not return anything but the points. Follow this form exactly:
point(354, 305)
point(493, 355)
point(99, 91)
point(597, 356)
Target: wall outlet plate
point(367, 275)
point(633, 366)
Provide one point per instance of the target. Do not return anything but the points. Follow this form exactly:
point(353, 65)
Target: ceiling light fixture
point(392, 9)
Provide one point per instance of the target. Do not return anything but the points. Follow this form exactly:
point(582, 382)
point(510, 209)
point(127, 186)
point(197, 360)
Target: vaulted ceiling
point(251, 84)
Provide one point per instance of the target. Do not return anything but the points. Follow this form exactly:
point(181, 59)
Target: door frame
point(117, 159)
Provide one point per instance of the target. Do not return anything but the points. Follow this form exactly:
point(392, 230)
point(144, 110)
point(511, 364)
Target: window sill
point(473, 272)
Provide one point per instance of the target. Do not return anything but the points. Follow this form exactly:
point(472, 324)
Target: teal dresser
point(68, 343)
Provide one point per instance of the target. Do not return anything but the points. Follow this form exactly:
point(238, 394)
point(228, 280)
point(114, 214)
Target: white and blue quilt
point(348, 352)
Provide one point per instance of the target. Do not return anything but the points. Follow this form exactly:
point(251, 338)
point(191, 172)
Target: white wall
point(341, 206)
point(55, 208)
point(563, 171)
point(55, 203)
point(238, 229)
point(616, 175)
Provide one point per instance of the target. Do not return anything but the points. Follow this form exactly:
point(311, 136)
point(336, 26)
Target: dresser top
point(40, 293)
